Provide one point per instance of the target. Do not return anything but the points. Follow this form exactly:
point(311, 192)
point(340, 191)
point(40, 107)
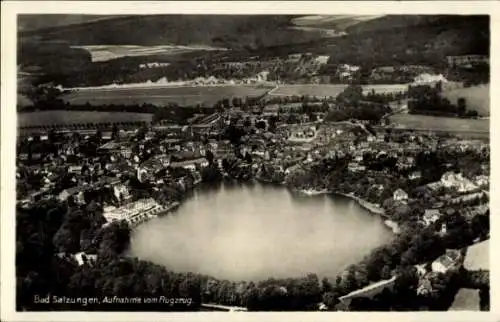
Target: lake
point(254, 231)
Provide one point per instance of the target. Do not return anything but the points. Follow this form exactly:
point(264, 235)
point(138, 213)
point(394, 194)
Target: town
point(389, 138)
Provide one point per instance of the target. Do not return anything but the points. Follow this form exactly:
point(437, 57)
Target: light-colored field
point(322, 90)
point(327, 90)
point(76, 117)
point(478, 256)
point(161, 96)
point(109, 52)
point(338, 22)
point(466, 300)
point(477, 98)
point(426, 122)
point(385, 88)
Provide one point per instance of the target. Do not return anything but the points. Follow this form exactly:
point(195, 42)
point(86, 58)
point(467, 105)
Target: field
point(478, 256)
point(425, 122)
point(161, 96)
point(325, 90)
point(109, 52)
point(76, 117)
point(466, 300)
point(477, 98)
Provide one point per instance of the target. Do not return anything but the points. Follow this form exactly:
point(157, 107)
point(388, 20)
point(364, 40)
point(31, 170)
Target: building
point(452, 260)
point(430, 216)
point(400, 195)
point(456, 180)
point(134, 212)
point(83, 258)
point(415, 175)
point(466, 60)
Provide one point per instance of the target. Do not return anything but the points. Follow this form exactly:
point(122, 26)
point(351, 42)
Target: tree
point(114, 132)
point(461, 106)
point(210, 156)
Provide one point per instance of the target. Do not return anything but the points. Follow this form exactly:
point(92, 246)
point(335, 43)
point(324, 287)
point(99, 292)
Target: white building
point(400, 195)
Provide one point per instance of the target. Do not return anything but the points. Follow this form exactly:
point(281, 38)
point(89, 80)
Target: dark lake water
point(255, 231)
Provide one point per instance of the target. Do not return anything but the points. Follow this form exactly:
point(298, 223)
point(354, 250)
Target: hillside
point(229, 31)
point(369, 42)
point(401, 39)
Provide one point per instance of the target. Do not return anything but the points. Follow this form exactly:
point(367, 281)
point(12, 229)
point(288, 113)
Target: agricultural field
point(162, 96)
point(451, 124)
point(100, 53)
point(322, 90)
point(76, 117)
point(477, 98)
point(326, 90)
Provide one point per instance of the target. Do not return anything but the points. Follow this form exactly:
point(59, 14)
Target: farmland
point(425, 122)
point(76, 117)
point(477, 98)
point(162, 96)
point(109, 52)
point(326, 90)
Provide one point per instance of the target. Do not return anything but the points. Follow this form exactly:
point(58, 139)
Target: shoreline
point(373, 209)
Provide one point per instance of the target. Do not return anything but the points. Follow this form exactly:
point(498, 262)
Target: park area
point(477, 98)
point(435, 123)
point(162, 96)
point(43, 118)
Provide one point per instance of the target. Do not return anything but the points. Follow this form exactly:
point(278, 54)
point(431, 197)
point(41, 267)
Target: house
point(83, 258)
point(271, 110)
point(451, 179)
point(121, 192)
point(430, 216)
point(415, 175)
point(400, 195)
point(482, 181)
point(452, 260)
point(355, 167)
point(466, 60)
point(73, 191)
point(76, 169)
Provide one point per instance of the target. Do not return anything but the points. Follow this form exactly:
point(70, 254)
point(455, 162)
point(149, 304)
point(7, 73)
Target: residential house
point(452, 260)
point(74, 191)
point(75, 169)
point(451, 179)
point(400, 195)
point(355, 167)
point(84, 258)
point(430, 216)
point(415, 175)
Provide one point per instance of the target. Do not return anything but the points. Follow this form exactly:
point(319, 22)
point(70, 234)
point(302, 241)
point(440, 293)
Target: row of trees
point(426, 99)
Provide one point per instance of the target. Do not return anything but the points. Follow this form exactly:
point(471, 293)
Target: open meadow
point(77, 117)
point(451, 124)
point(162, 96)
point(477, 98)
